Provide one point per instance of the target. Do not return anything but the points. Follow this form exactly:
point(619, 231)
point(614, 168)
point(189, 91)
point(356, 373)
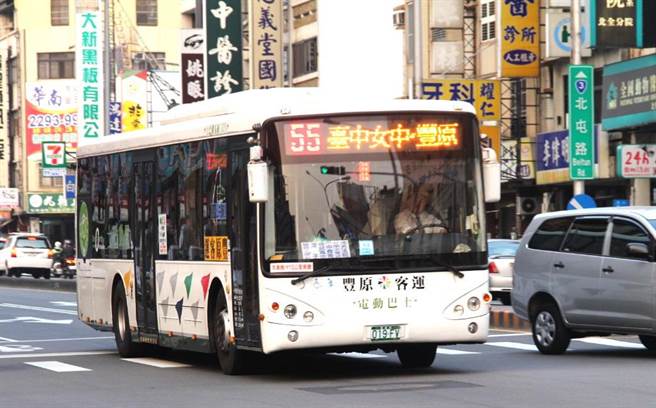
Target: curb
point(25, 282)
point(507, 320)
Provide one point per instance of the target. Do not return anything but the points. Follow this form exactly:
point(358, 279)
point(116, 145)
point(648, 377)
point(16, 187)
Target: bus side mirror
point(491, 176)
point(258, 177)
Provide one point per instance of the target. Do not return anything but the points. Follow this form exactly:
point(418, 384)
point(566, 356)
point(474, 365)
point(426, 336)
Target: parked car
point(26, 253)
point(588, 272)
point(501, 254)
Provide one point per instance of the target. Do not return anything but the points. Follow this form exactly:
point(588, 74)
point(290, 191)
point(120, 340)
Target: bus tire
point(417, 355)
point(230, 358)
point(121, 323)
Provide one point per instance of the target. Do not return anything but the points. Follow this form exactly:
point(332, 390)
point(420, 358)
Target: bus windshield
point(402, 189)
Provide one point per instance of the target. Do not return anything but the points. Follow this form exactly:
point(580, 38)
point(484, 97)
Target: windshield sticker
point(326, 249)
point(285, 267)
point(216, 248)
point(366, 247)
point(163, 247)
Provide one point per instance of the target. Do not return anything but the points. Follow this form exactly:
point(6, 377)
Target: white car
point(26, 253)
point(501, 253)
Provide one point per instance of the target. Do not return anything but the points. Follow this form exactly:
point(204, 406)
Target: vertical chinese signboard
point(192, 65)
point(134, 92)
point(115, 117)
point(581, 122)
point(623, 23)
point(266, 43)
point(89, 74)
point(519, 34)
point(224, 50)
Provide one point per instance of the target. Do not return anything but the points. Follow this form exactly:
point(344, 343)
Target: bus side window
point(215, 208)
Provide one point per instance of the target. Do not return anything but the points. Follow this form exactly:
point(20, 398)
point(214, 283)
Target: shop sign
point(54, 154)
point(9, 198)
point(520, 38)
point(266, 42)
point(629, 93)
point(621, 23)
point(636, 161)
point(89, 73)
point(192, 59)
point(552, 156)
point(559, 34)
point(223, 33)
point(42, 203)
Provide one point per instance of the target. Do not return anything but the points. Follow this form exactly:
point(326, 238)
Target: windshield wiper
point(447, 266)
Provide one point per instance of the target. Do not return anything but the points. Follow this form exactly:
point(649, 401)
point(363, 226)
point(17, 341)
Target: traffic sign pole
point(579, 185)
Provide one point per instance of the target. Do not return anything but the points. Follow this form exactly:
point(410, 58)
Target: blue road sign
point(620, 202)
point(581, 201)
point(69, 183)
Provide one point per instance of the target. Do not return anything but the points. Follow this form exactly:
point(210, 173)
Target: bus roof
point(237, 113)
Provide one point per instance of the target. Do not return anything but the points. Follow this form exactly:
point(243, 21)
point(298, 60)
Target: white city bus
point(284, 219)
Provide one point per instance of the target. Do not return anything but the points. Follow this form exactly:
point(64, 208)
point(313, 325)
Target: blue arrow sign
point(581, 201)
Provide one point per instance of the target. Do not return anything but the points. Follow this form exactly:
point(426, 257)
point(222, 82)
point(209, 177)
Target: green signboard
point(223, 27)
point(50, 204)
point(581, 122)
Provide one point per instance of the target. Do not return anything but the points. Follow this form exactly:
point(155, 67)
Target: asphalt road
point(49, 359)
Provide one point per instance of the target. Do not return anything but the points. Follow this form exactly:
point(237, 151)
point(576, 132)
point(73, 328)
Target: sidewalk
point(503, 317)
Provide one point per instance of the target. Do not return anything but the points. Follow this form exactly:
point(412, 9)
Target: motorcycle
point(64, 268)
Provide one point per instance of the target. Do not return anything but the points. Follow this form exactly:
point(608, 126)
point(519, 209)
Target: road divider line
point(57, 366)
point(610, 342)
point(156, 362)
point(452, 352)
point(53, 340)
point(7, 340)
point(40, 309)
point(513, 345)
point(65, 354)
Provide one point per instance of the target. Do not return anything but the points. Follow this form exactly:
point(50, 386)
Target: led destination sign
point(315, 138)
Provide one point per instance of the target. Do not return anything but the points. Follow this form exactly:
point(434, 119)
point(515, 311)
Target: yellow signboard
point(484, 94)
point(520, 38)
point(216, 248)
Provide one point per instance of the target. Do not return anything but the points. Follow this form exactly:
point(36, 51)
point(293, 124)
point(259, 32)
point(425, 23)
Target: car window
point(32, 242)
point(626, 232)
point(586, 236)
point(550, 234)
point(3, 243)
point(502, 248)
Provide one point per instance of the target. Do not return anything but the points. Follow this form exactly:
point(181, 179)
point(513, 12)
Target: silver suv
point(588, 272)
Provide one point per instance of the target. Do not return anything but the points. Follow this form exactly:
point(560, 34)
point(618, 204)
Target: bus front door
point(144, 239)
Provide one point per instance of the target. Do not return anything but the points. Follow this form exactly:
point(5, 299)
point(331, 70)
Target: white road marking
point(18, 348)
point(7, 340)
point(41, 309)
point(453, 352)
point(610, 342)
point(358, 355)
point(30, 319)
point(57, 366)
point(509, 335)
point(513, 345)
point(52, 340)
point(156, 362)
point(65, 304)
point(67, 354)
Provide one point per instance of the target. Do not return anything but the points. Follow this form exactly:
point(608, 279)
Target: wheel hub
point(545, 328)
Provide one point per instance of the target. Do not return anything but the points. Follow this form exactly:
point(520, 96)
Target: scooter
point(64, 268)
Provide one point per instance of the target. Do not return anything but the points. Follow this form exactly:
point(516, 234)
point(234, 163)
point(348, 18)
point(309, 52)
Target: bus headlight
point(290, 311)
point(459, 310)
point(474, 303)
point(308, 316)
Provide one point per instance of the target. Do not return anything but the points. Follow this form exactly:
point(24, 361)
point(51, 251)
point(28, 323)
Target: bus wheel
point(230, 359)
point(121, 322)
point(417, 355)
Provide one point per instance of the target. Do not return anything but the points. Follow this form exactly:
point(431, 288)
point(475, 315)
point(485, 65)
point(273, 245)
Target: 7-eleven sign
point(54, 154)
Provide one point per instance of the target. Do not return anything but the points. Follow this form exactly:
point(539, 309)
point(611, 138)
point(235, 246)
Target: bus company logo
point(385, 282)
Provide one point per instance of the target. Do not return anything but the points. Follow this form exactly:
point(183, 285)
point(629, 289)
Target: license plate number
point(380, 333)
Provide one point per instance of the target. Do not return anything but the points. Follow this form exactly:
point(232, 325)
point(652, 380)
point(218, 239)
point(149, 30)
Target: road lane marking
point(509, 335)
point(7, 340)
point(156, 362)
point(18, 348)
point(30, 319)
point(453, 352)
point(67, 354)
point(513, 345)
point(51, 340)
point(40, 309)
point(57, 366)
point(64, 304)
point(358, 355)
point(610, 342)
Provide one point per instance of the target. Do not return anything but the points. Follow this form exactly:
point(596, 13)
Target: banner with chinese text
point(89, 73)
point(134, 101)
point(192, 65)
point(47, 203)
point(519, 34)
point(266, 43)
point(223, 33)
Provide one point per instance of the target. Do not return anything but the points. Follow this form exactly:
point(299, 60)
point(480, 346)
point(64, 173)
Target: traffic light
point(337, 170)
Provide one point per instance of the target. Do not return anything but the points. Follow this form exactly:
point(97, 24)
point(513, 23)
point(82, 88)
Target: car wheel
point(15, 272)
point(549, 332)
point(36, 275)
point(121, 322)
point(230, 358)
point(648, 341)
point(417, 355)
point(46, 275)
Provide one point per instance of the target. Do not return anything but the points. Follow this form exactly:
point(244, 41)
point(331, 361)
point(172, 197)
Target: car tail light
point(70, 261)
point(13, 252)
point(493, 268)
point(50, 253)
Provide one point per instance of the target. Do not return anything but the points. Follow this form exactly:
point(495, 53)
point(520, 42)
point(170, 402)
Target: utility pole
point(418, 60)
point(575, 11)
point(107, 66)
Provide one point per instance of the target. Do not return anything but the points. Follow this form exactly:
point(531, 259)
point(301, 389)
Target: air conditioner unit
point(398, 18)
point(527, 205)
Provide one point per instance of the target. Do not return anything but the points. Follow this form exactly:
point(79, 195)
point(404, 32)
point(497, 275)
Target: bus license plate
point(380, 333)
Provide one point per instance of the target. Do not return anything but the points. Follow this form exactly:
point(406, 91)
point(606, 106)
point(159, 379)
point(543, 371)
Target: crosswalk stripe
point(610, 342)
point(156, 362)
point(513, 345)
point(65, 354)
point(40, 309)
point(57, 366)
point(453, 352)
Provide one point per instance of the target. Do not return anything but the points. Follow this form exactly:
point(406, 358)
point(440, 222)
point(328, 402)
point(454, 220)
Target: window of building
point(86, 5)
point(626, 232)
point(488, 20)
point(147, 12)
point(49, 182)
point(550, 234)
point(59, 12)
point(305, 57)
point(56, 65)
point(586, 236)
point(148, 60)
